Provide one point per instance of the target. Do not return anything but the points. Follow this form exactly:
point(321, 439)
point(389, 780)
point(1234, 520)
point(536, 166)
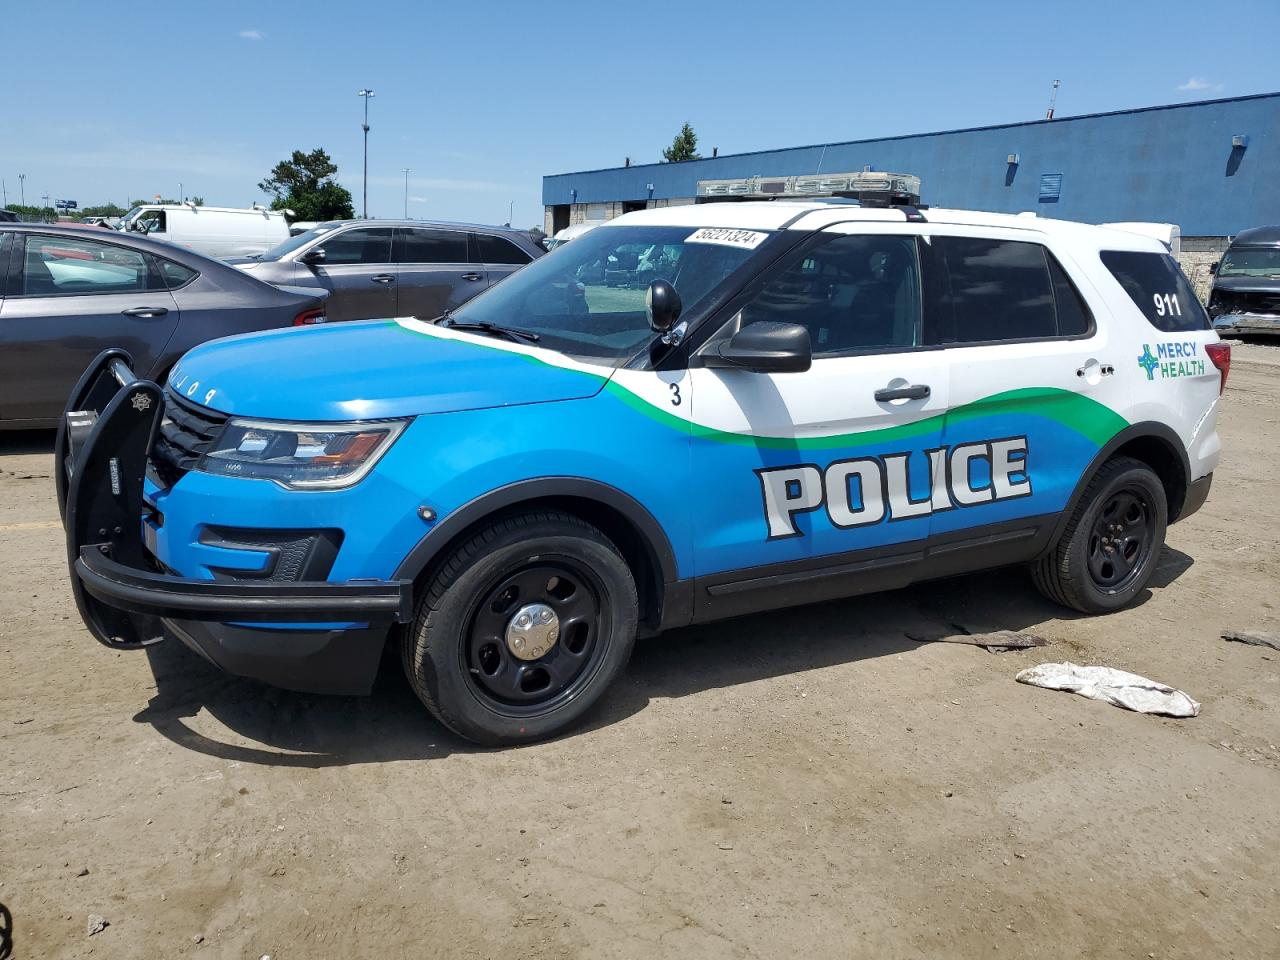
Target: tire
point(461, 654)
point(1111, 544)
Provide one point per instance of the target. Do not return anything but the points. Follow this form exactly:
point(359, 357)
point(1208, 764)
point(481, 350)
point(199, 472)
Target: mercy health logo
point(1176, 359)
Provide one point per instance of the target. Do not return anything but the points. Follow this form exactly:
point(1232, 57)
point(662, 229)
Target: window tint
point(175, 274)
point(358, 246)
point(66, 266)
point(989, 290)
point(1157, 286)
point(431, 246)
point(1074, 317)
point(499, 250)
point(851, 292)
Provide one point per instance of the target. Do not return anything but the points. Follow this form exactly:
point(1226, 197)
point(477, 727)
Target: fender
point(653, 537)
point(1135, 431)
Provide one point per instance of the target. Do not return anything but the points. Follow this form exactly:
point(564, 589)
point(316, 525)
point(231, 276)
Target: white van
point(213, 231)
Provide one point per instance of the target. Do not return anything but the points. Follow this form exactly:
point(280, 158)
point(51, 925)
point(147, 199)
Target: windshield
point(1251, 262)
point(587, 298)
point(286, 247)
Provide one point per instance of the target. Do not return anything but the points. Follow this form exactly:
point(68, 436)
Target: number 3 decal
point(675, 394)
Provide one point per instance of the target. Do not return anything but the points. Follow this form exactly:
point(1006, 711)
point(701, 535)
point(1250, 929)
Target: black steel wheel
point(1109, 548)
point(522, 628)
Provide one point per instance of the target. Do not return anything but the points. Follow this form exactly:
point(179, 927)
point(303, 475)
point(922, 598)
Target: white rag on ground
point(1112, 686)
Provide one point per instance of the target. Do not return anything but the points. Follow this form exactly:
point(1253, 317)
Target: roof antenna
point(1053, 99)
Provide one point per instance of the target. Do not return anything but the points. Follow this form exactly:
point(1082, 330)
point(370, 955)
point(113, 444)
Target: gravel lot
point(808, 783)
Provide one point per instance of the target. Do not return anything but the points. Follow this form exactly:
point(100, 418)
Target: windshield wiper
point(484, 326)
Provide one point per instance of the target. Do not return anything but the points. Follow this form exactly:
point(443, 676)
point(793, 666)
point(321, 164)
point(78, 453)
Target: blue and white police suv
point(686, 414)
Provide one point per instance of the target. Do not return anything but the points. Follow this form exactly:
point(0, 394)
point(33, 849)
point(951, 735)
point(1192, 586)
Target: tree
point(103, 210)
point(197, 201)
point(304, 184)
point(683, 147)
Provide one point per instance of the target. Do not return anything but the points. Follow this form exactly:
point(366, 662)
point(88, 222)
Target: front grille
point(186, 432)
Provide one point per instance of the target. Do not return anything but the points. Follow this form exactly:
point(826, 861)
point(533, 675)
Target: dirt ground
point(808, 783)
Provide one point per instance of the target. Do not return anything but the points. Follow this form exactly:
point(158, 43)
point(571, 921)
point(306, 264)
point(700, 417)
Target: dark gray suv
point(394, 268)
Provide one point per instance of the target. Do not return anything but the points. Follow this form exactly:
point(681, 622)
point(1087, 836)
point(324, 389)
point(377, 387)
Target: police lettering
point(867, 490)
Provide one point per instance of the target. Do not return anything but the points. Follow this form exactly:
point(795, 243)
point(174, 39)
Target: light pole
point(22, 185)
point(366, 94)
point(407, 171)
point(511, 206)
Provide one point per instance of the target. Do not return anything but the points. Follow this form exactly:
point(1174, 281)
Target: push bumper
point(128, 602)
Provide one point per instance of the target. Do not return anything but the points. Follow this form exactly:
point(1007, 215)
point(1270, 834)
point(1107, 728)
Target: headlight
point(300, 456)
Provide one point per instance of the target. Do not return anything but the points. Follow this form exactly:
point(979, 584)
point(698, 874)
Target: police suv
point(686, 414)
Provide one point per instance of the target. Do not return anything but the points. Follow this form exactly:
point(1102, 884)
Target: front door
point(68, 300)
point(359, 274)
point(795, 470)
point(435, 272)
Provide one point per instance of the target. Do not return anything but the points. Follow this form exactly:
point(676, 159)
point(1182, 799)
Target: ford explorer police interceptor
point(686, 414)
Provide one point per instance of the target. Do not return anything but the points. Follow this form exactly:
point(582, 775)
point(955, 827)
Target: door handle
point(917, 391)
point(383, 278)
point(145, 312)
point(472, 276)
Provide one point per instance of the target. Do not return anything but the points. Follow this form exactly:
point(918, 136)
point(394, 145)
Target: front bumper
point(127, 601)
point(1247, 323)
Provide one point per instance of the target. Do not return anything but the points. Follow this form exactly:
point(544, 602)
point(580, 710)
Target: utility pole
point(511, 206)
point(4, 190)
point(182, 197)
point(44, 205)
point(22, 185)
point(407, 171)
point(366, 94)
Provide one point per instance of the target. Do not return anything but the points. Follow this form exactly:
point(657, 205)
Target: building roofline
point(932, 133)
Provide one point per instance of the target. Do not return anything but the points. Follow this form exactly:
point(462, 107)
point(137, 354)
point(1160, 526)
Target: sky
point(110, 101)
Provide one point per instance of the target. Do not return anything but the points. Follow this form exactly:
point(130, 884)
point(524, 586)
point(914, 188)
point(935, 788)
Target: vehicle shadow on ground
point(265, 725)
point(18, 442)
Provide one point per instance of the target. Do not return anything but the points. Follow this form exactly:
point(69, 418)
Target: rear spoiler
point(1170, 234)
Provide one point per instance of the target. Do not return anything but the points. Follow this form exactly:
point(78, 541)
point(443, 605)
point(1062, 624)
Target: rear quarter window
point(1158, 288)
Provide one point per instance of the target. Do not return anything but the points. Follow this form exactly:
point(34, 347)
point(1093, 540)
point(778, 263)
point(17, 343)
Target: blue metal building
point(1212, 167)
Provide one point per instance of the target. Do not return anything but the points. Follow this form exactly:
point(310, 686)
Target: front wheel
point(1109, 549)
point(522, 628)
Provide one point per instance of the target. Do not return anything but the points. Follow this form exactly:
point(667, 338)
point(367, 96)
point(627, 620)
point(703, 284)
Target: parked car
point(214, 231)
point(1246, 284)
point(375, 269)
point(570, 232)
point(67, 293)
point(809, 401)
point(8, 216)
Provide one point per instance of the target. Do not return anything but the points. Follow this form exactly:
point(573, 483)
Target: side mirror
point(662, 304)
point(1213, 267)
point(765, 347)
point(313, 257)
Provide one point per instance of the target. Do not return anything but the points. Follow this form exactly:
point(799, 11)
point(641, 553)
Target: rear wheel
point(1109, 549)
point(522, 628)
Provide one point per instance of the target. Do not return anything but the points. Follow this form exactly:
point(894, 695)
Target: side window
point(853, 293)
point(416, 245)
point(175, 274)
point(55, 266)
point(154, 220)
point(370, 245)
point(1074, 316)
point(987, 291)
point(500, 250)
point(1156, 284)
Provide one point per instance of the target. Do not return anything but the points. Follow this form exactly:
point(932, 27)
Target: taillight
point(1220, 357)
point(308, 317)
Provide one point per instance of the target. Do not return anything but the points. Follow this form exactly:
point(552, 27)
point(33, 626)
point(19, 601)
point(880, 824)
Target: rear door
point(435, 271)
point(1033, 384)
point(68, 299)
point(797, 469)
point(500, 256)
point(359, 274)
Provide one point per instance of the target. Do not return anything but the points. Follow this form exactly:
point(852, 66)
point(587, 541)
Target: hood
point(1246, 284)
point(374, 369)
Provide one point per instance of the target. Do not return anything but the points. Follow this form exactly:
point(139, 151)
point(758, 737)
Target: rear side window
point(499, 250)
point(66, 266)
point(175, 274)
point(1158, 288)
point(415, 245)
point(985, 291)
